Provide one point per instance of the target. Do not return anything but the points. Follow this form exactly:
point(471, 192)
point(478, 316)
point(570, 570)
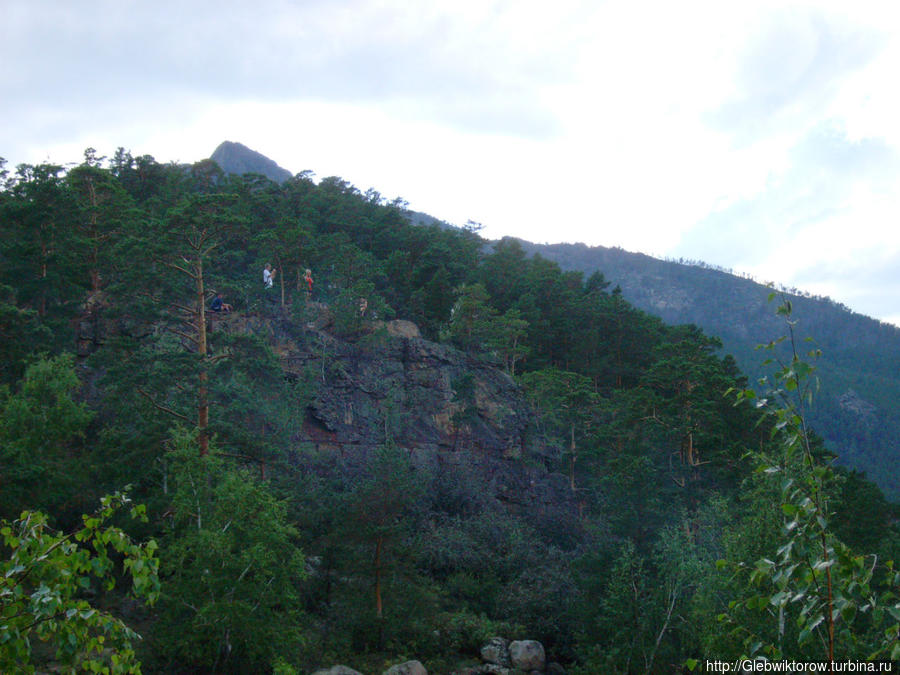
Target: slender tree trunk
point(690, 450)
point(672, 598)
point(95, 239)
point(42, 303)
point(202, 389)
point(280, 277)
point(830, 602)
point(572, 458)
point(379, 607)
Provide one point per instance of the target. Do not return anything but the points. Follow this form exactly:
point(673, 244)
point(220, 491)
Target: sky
point(763, 137)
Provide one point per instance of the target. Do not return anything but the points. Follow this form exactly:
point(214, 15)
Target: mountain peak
point(239, 159)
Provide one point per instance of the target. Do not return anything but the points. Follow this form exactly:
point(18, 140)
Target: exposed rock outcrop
point(855, 404)
point(239, 159)
point(439, 404)
point(385, 383)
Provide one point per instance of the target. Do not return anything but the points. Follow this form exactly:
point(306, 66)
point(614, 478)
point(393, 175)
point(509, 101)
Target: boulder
point(527, 655)
point(483, 669)
point(496, 651)
point(337, 670)
point(407, 668)
point(403, 329)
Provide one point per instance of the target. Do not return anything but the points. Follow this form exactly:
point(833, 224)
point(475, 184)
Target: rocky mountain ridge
point(239, 159)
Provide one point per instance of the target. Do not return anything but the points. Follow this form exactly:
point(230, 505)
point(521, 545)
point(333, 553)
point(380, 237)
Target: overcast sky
point(762, 137)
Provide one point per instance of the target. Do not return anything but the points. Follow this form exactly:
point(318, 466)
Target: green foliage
point(38, 246)
point(101, 208)
point(475, 326)
point(508, 333)
point(357, 304)
point(472, 318)
point(46, 578)
point(646, 599)
point(466, 633)
point(410, 551)
point(41, 429)
point(379, 511)
point(231, 565)
point(814, 587)
point(569, 409)
point(21, 336)
point(855, 412)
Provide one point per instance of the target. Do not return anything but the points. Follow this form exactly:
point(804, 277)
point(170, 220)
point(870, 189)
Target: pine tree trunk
point(95, 239)
point(572, 458)
point(42, 303)
point(280, 278)
point(379, 607)
point(202, 389)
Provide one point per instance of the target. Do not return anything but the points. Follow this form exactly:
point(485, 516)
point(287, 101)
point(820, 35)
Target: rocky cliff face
point(388, 384)
point(442, 406)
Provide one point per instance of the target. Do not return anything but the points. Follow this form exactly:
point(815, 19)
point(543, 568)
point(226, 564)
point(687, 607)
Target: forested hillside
point(856, 411)
point(426, 445)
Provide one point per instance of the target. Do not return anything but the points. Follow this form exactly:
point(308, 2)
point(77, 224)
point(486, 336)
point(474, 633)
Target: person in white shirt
point(268, 276)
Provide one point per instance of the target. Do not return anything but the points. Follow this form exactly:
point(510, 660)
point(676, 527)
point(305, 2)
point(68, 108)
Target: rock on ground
point(407, 668)
point(337, 670)
point(527, 655)
point(496, 651)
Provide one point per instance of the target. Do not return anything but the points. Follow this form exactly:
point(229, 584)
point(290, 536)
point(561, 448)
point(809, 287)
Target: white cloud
point(730, 132)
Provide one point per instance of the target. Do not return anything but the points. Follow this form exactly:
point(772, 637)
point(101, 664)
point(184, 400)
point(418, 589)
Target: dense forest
point(164, 472)
point(855, 410)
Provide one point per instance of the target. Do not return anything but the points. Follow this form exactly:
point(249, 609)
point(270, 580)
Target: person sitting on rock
point(219, 305)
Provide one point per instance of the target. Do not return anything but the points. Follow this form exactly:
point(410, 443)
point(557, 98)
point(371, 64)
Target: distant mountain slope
point(239, 159)
point(857, 409)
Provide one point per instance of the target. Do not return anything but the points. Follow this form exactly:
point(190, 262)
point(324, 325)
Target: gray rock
point(484, 669)
point(527, 655)
point(496, 651)
point(358, 383)
point(494, 669)
point(407, 668)
point(337, 670)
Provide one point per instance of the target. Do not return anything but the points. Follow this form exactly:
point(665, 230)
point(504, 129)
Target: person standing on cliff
point(309, 283)
point(268, 276)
